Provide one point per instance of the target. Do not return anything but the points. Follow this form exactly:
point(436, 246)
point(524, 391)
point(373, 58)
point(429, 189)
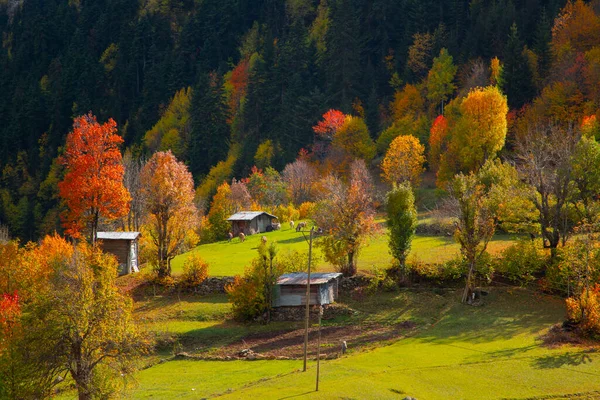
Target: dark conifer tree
point(516, 74)
point(209, 137)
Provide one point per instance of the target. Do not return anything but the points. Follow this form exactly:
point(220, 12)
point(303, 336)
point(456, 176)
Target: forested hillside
point(245, 81)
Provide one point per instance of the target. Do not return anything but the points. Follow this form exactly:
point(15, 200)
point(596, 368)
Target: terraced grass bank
point(229, 258)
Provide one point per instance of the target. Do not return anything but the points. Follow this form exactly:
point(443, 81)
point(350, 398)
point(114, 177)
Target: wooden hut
point(290, 290)
point(124, 245)
point(244, 221)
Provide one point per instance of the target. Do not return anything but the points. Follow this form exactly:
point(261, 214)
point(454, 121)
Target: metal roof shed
point(124, 245)
point(290, 289)
point(244, 221)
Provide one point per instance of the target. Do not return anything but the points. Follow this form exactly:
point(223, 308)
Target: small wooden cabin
point(124, 245)
point(290, 290)
point(259, 221)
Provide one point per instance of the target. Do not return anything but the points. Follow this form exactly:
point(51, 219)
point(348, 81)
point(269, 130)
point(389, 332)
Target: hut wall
point(120, 248)
point(239, 226)
point(263, 222)
point(295, 295)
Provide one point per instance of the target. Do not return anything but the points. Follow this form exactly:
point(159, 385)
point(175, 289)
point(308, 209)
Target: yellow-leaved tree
point(477, 132)
point(404, 161)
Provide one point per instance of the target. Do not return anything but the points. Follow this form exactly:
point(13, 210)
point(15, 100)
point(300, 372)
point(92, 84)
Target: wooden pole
point(307, 317)
point(319, 347)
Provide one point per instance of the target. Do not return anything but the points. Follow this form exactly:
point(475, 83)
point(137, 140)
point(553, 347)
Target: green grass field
point(227, 259)
point(460, 352)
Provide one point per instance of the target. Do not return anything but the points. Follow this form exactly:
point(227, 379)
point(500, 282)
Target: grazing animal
point(229, 236)
point(252, 231)
point(242, 237)
point(300, 226)
point(291, 224)
point(263, 240)
point(344, 347)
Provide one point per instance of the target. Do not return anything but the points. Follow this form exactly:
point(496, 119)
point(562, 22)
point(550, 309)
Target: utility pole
point(319, 347)
point(308, 297)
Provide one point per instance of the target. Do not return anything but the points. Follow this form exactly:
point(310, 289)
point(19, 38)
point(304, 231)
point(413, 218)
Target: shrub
point(440, 272)
point(436, 226)
point(246, 296)
point(306, 210)
point(164, 281)
point(520, 261)
point(585, 310)
point(381, 280)
point(251, 294)
point(195, 271)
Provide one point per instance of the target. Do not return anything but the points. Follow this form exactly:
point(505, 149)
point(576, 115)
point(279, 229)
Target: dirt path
point(291, 343)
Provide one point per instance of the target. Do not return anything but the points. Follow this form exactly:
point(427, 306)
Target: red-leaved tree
point(331, 122)
point(93, 185)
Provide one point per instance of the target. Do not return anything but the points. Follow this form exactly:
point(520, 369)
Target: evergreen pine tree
point(517, 81)
point(210, 132)
point(541, 43)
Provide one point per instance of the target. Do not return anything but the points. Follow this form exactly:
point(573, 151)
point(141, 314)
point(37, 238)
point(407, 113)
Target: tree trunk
point(351, 266)
point(468, 285)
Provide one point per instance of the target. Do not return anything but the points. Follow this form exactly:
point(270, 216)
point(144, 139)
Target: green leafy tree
point(401, 222)
point(475, 224)
point(440, 81)
point(585, 165)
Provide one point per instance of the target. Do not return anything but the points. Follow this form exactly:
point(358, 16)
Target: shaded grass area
point(488, 352)
point(230, 258)
point(202, 325)
point(196, 324)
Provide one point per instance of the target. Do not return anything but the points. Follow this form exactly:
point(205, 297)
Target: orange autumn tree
point(168, 187)
point(404, 161)
point(93, 185)
point(438, 139)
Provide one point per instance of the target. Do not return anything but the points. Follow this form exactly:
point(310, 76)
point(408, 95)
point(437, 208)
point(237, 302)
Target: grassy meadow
point(229, 258)
point(458, 352)
point(419, 343)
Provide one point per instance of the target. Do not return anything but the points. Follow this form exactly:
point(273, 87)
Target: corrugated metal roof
point(300, 278)
point(117, 235)
point(248, 215)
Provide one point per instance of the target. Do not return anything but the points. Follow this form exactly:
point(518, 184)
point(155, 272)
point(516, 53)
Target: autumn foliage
point(10, 313)
point(169, 189)
point(236, 87)
point(404, 160)
point(438, 138)
point(478, 132)
point(93, 185)
point(346, 213)
point(331, 122)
